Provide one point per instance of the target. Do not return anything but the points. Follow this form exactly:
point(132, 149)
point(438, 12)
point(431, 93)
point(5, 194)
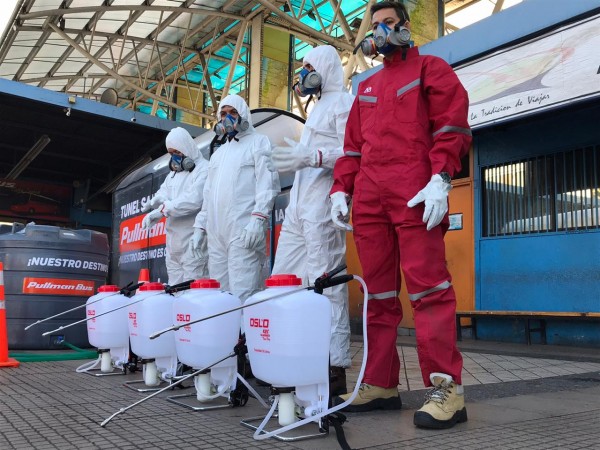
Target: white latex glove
point(153, 203)
point(198, 242)
point(254, 233)
point(339, 211)
point(295, 157)
point(435, 196)
point(151, 218)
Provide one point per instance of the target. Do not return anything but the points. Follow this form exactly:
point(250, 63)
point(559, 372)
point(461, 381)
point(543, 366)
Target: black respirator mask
point(179, 163)
point(384, 40)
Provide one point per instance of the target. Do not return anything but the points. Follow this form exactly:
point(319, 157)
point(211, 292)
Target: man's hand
point(254, 233)
point(151, 218)
point(295, 157)
point(435, 196)
point(339, 211)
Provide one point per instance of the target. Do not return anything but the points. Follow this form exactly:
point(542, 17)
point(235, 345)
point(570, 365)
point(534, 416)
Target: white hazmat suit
point(238, 199)
point(179, 199)
point(309, 244)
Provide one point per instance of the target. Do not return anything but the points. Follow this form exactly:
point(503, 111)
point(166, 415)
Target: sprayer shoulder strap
point(337, 419)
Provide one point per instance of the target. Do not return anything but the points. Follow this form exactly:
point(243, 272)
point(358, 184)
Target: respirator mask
point(384, 40)
point(231, 126)
point(309, 83)
point(179, 163)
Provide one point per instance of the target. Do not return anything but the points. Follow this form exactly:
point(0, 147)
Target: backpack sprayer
point(312, 397)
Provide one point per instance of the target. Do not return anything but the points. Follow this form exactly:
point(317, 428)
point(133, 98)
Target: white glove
point(198, 242)
point(435, 196)
point(151, 218)
point(153, 203)
point(254, 233)
point(295, 157)
point(339, 211)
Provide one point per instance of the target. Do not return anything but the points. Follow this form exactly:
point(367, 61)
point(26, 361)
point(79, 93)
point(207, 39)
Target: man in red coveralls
point(405, 137)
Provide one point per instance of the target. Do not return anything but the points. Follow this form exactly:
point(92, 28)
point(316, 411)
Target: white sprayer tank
point(153, 313)
point(288, 337)
point(111, 330)
point(202, 344)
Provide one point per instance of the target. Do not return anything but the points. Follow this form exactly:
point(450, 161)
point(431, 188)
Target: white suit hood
point(309, 244)
point(326, 61)
point(241, 107)
point(180, 140)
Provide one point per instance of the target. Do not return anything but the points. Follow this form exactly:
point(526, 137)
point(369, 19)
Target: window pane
point(547, 193)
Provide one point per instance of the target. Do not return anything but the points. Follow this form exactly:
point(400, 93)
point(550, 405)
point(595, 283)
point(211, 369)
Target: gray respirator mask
point(179, 163)
point(384, 40)
point(231, 126)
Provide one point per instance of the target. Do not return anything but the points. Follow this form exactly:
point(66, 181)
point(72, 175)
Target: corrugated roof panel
point(83, 3)
point(109, 23)
point(52, 50)
point(72, 66)
point(55, 85)
point(38, 68)
point(41, 5)
point(77, 21)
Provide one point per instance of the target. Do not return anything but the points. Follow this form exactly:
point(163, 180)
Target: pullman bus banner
point(132, 247)
point(553, 69)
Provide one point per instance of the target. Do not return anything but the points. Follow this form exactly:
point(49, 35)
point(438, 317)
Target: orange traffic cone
point(144, 276)
point(5, 361)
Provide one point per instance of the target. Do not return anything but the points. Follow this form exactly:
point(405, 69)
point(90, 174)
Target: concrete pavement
point(518, 396)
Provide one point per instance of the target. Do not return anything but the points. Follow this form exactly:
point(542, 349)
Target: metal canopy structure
point(172, 59)
point(146, 49)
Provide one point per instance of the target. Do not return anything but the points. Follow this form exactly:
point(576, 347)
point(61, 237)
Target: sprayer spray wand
point(124, 290)
point(170, 386)
point(324, 281)
point(168, 290)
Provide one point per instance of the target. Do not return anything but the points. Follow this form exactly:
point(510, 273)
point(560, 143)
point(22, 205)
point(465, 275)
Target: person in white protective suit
point(238, 198)
point(309, 244)
point(179, 199)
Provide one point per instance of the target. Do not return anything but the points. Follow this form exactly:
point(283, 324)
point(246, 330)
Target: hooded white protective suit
point(239, 189)
point(309, 244)
point(179, 200)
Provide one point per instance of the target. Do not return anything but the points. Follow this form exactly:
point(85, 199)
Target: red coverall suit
point(408, 122)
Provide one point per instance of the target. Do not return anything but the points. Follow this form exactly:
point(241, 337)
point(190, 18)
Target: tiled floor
point(523, 397)
point(478, 368)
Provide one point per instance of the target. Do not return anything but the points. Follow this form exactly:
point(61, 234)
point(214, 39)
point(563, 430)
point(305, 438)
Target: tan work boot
point(369, 398)
point(444, 405)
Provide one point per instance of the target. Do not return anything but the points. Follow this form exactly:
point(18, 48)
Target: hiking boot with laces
point(369, 398)
point(444, 404)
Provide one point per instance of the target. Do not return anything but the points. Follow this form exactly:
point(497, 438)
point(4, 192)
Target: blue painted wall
point(557, 271)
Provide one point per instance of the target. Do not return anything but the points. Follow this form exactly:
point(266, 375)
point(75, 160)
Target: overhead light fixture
point(311, 14)
point(29, 157)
